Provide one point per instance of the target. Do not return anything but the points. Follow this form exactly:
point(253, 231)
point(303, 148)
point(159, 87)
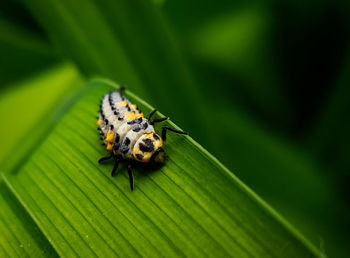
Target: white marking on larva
point(121, 126)
point(134, 136)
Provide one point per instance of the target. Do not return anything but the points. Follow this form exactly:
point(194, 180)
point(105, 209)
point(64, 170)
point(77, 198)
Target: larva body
point(124, 129)
point(127, 134)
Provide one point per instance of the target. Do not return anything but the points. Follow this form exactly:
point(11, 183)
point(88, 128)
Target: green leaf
point(237, 43)
point(329, 137)
point(127, 41)
point(282, 173)
point(20, 236)
point(22, 53)
point(80, 31)
point(191, 206)
point(23, 107)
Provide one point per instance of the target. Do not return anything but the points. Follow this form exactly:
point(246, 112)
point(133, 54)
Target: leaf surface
point(19, 236)
point(191, 206)
point(27, 106)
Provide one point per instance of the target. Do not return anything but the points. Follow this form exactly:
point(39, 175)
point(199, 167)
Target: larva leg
point(131, 177)
point(121, 89)
point(159, 120)
point(115, 168)
point(151, 114)
point(106, 158)
point(165, 128)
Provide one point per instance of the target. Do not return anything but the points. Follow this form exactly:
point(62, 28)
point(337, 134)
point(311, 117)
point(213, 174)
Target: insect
point(128, 135)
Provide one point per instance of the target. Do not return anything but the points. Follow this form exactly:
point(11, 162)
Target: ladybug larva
point(127, 134)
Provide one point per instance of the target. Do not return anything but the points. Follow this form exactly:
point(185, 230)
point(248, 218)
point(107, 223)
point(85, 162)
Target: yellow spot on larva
point(140, 115)
point(99, 122)
point(122, 103)
point(110, 136)
point(109, 146)
point(130, 116)
point(133, 106)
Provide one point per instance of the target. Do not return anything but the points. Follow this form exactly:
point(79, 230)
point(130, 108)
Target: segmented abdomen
point(121, 124)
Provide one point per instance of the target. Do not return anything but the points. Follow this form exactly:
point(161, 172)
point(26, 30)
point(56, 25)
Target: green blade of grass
point(153, 50)
point(191, 206)
point(237, 43)
point(330, 131)
point(127, 41)
point(20, 236)
point(23, 107)
point(22, 53)
point(81, 33)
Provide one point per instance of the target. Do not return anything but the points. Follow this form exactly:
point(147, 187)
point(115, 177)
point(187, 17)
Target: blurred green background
point(264, 86)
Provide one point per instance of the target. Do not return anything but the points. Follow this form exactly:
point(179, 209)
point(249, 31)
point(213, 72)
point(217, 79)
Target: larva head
point(149, 148)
